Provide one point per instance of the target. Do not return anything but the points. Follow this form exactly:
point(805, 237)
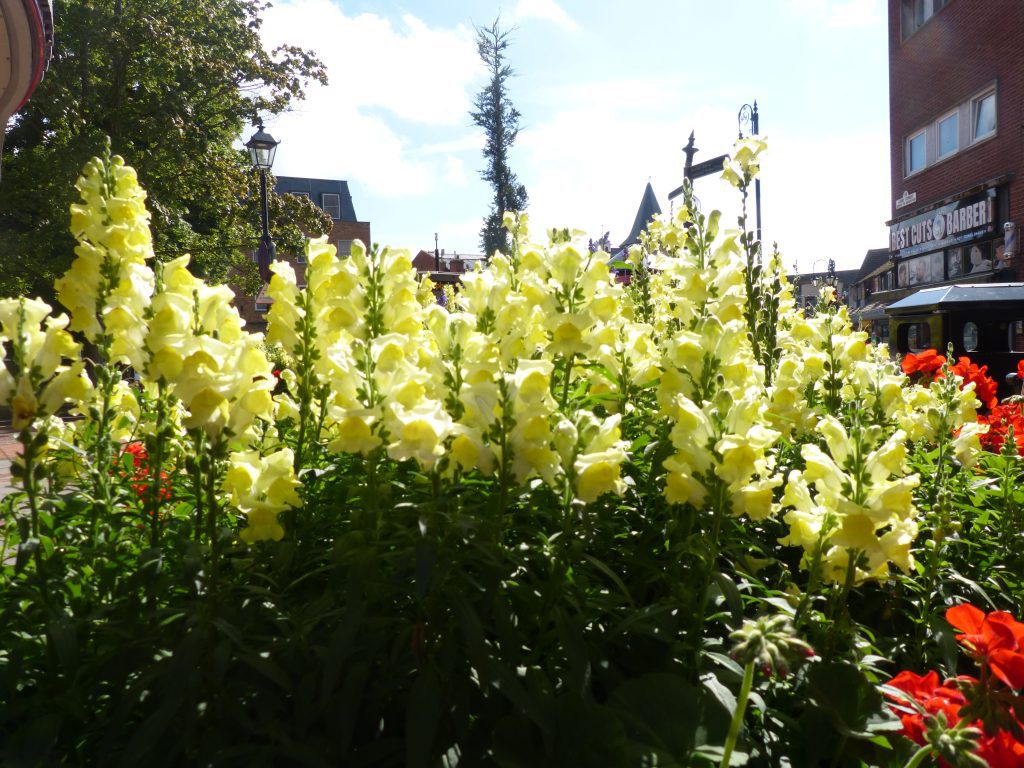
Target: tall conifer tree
point(495, 113)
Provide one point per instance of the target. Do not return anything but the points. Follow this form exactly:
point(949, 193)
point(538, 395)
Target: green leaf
point(852, 703)
point(669, 715)
point(422, 715)
point(721, 693)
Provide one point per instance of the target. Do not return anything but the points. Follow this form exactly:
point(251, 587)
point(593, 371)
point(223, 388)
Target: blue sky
point(609, 92)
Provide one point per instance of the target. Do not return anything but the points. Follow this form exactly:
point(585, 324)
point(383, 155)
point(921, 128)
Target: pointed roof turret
point(648, 209)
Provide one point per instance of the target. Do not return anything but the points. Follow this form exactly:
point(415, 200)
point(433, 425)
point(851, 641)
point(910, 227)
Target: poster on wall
point(919, 270)
point(979, 258)
point(901, 275)
point(954, 262)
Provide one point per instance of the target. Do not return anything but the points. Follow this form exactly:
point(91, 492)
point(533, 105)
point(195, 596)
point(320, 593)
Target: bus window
point(919, 337)
point(970, 336)
point(1017, 336)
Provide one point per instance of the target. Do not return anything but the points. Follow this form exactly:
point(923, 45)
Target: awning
point(873, 311)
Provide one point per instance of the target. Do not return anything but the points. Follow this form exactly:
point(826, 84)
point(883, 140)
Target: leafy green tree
point(495, 113)
point(173, 84)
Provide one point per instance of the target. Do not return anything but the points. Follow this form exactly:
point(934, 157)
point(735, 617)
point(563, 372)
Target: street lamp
point(262, 148)
point(830, 276)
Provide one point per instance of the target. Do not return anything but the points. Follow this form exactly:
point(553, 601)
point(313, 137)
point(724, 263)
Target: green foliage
point(495, 113)
point(431, 612)
point(173, 86)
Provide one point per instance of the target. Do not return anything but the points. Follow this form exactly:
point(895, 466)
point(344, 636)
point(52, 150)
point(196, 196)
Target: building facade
point(956, 105)
point(335, 199)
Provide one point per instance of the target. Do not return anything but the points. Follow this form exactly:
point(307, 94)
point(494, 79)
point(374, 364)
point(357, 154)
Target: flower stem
point(919, 757)
point(737, 716)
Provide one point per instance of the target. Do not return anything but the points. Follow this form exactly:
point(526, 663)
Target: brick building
point(956, 106)
point(333, 196)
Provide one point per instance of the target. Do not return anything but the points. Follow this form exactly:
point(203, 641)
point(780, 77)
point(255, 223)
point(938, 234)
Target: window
point(916, 153)
point(969, 122)
point(300, 194)
point(344, 247)
point(949, 139)
point(1017, 336)
point(970, 336)
point(261, 308)
point(331, 203)
point(919, 337)
point(984, 108)
point(917, 12)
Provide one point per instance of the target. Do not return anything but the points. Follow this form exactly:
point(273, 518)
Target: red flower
point(994, 639)
point(140, 477)
point(927, 692)
point(926, 362)
point(1001, 750)
point(999, 420)
point(138, 452)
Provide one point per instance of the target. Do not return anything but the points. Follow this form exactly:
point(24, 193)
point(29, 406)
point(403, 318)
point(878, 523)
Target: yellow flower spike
point(967, 444)
point(112, 227)
point(565, 265)
point(836, 438)
point(532, 381)
point(262, 488)
point(567, 334)
point(896, 544)
point(893, 499)
point(70, 385)
point(480, 400)
point(262, 525)
point(419, 433)
point(890, 458)
point(565, 438)
point(755, 500)
point(683, 488)
point(739, 460)
point(599, 473)
point(822, 470)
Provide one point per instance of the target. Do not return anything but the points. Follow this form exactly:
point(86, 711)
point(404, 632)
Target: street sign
point(714, 165)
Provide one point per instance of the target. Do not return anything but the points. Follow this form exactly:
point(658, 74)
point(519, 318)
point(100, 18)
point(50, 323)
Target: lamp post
point(830, 274)
point(748, 116)
point(262, 148)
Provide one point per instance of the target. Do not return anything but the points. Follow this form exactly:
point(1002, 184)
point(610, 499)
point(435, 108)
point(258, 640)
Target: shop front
point(957, 241)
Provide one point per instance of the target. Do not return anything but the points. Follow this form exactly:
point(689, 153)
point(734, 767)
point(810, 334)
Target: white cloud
point(855, 13)
point(827, 197)
point(547, 10)
point(455, 171)
point(841, 14)
point(386, 80)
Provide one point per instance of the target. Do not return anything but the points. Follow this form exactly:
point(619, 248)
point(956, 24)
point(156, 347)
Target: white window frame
point(908, 153)
point(300, 194)
point(325, 203)
point(909, 14)
point(954, 115)
point(976, 111)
